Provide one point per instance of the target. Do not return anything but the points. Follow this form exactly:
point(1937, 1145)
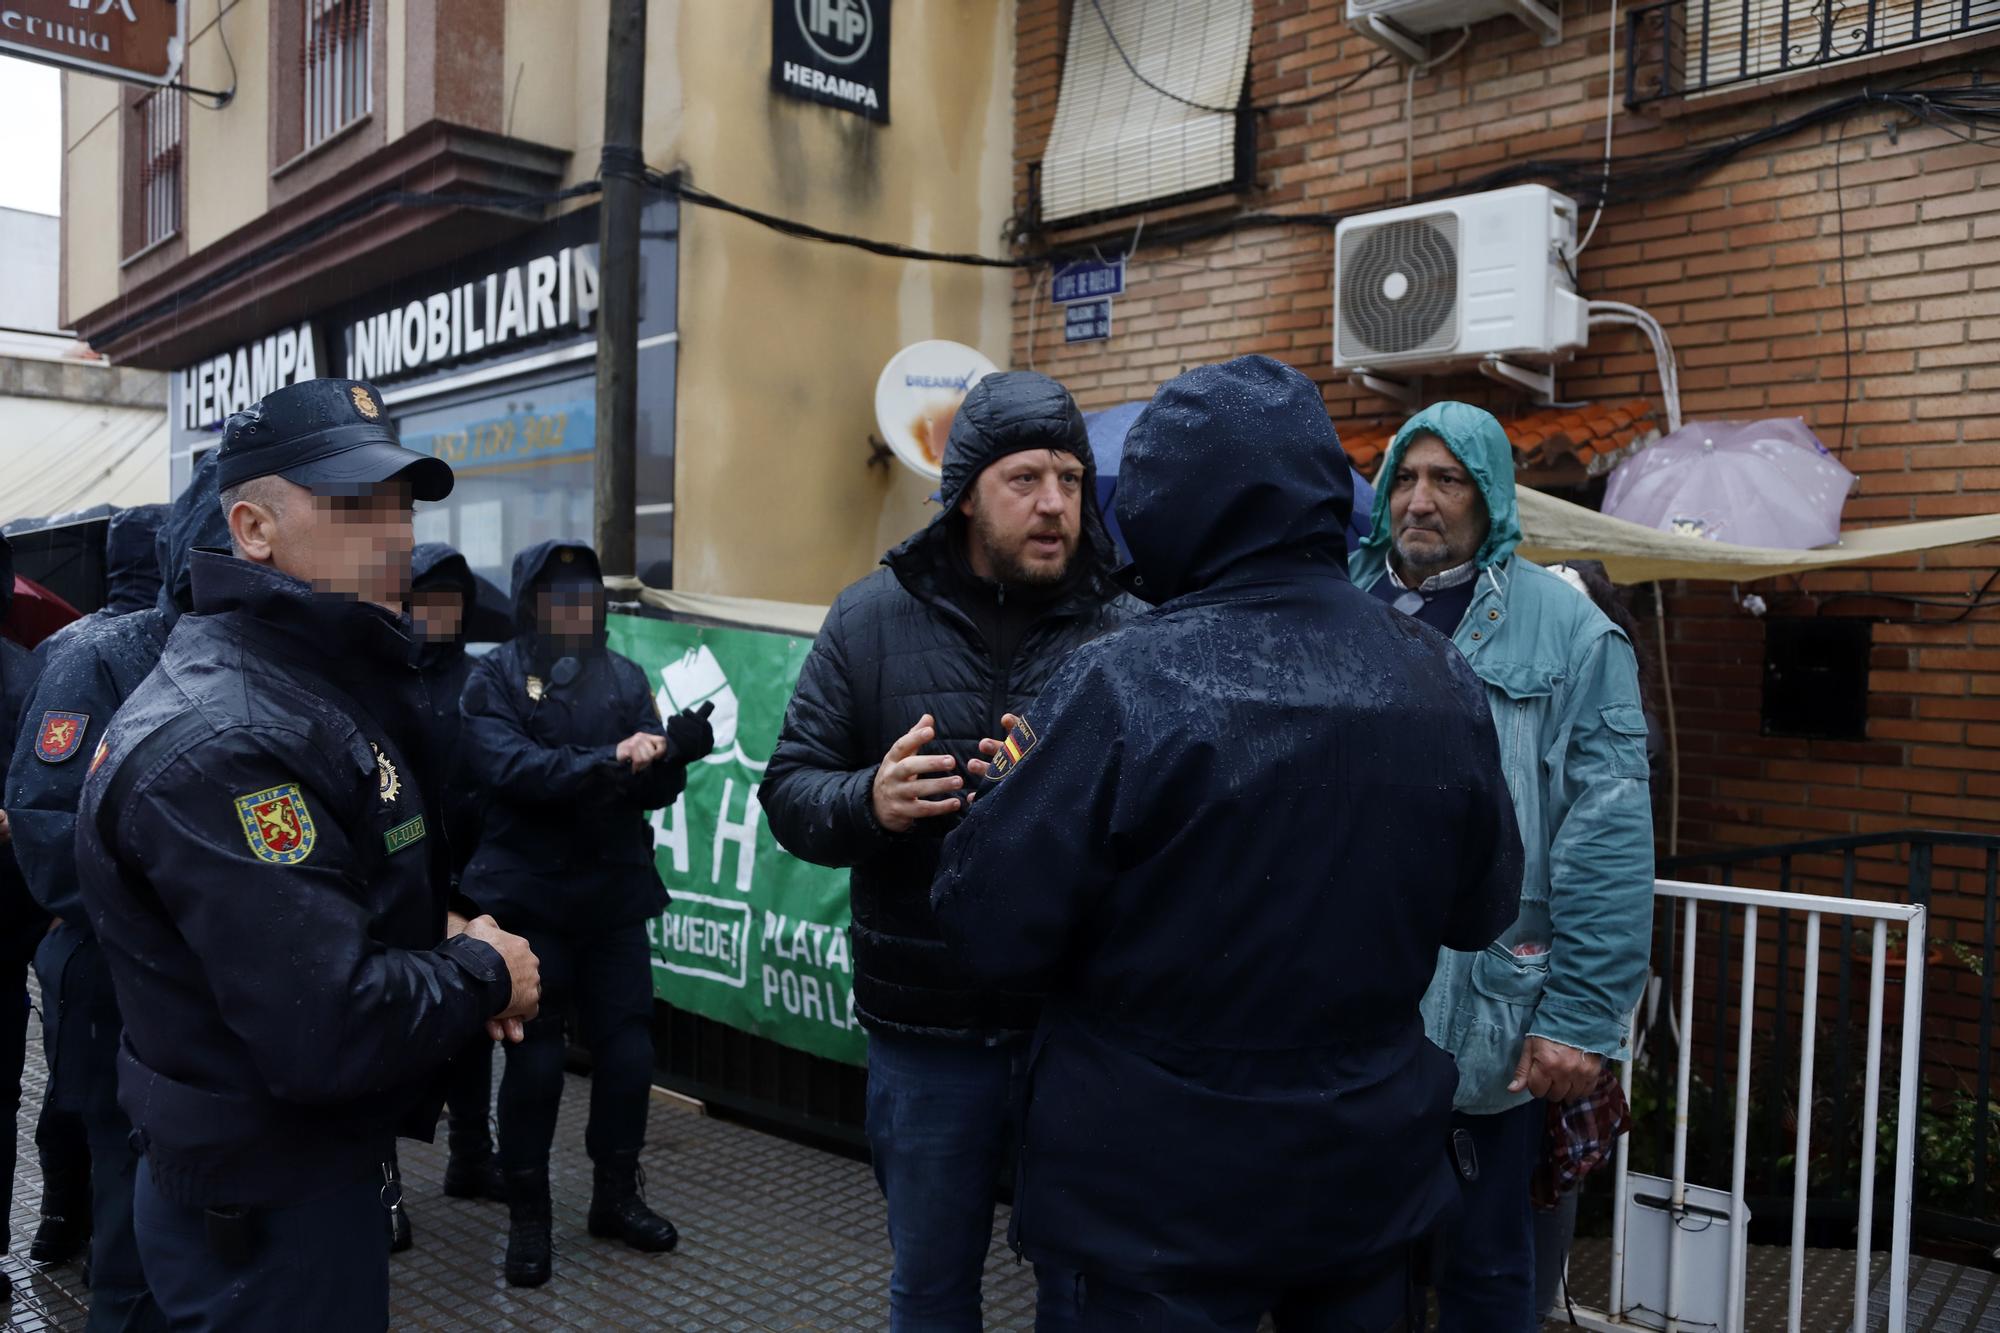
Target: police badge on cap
point(331, 436)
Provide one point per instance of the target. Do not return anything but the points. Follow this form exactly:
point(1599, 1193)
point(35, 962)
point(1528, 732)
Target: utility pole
point(623, 173)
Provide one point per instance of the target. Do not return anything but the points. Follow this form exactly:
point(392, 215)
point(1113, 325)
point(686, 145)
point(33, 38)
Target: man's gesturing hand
point(979, 768)
point(1555, 1072)
point(906, 781)
point(524, 970)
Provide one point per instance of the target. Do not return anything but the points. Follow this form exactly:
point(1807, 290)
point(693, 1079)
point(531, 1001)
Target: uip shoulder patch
point(277, 824)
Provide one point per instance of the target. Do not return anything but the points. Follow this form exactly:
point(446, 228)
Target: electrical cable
point(1610, 110)
point(228, 95)
point(672, 184)
point(1846, 324)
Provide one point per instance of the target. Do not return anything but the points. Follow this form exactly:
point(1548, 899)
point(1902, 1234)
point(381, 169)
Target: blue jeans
point(1486, 1282)
point(940, 1118)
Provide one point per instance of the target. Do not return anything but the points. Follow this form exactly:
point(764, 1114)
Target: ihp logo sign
point(835, 52)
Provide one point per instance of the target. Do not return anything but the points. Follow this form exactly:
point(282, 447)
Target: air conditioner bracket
point(1540, 17)
point(1540, 383)
point(1405, 392)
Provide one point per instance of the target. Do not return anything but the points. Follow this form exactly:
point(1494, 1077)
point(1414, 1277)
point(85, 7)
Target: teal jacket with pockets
point(1564, 685)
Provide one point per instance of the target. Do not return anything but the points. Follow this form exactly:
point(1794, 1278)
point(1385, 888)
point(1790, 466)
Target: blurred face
point(355, 546)
point(438, 613)
point(568, 612)
point(1024, 517)
point(1437, 517)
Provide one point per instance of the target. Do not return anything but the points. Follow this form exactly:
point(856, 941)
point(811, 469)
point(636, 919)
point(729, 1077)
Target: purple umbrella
point(1752, 483)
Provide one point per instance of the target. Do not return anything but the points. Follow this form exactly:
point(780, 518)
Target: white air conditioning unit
point(1400, 26)
point(1477, 280)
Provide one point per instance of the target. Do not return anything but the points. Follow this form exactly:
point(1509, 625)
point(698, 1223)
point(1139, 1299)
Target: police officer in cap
point(259, 855)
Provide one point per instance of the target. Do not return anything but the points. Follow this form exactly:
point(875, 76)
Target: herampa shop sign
point(754, 938)
point(833, 51)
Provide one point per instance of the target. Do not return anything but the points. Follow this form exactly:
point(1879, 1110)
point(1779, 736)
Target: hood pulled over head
point(1478, 441)
point(195, 519)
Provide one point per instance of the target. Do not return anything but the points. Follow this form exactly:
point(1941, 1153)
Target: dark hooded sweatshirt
point(131, 571)
point(565, 844)
point(1247, 823)
point(446, 668)
point(89, 674)
point(923, 635)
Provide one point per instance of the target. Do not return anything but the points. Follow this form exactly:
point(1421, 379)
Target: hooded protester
point(918, 662)
point(1228, 840)
point(565, 739)
point(21, 921)
point(442, 596)
point(1535, 1016)
point(131, 570)
point(85, 679)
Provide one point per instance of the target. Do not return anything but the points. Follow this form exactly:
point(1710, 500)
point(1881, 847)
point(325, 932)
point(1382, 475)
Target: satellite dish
point(919, 394)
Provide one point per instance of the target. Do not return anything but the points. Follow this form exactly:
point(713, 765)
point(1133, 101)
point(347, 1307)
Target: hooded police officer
point(257, 851)
point(87, 677)
point(565, 738)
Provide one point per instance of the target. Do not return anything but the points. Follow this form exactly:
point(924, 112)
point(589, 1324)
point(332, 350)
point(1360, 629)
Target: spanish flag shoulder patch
point(1014, 749)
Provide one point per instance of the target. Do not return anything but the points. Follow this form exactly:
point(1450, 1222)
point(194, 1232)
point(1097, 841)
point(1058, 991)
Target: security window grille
point(335, 57)
point(1692, 47)
point(1118, 139)
point(159, 120)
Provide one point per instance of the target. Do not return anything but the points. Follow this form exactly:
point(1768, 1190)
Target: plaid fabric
point(1579, 1138)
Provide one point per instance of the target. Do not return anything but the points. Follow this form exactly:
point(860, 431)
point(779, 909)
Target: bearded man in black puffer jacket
point(915, 666)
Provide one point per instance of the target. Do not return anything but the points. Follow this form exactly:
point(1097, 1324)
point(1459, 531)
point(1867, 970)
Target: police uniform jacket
point(446, 668)
point(87, 677)
point(21, 921)
point(565, 843)
point(256, 855)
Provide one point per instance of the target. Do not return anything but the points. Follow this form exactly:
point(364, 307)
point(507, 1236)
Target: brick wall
point(1743, 270)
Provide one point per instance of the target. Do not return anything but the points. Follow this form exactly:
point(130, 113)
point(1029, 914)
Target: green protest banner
point(755, 938)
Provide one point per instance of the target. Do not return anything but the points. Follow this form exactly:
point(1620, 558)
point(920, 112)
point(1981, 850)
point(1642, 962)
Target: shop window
point(1148, 109)
point(335, 60)
point(1816, 677)
point(155, 156)
point(1693, 47)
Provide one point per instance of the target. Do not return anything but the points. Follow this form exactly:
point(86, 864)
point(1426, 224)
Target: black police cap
point(330, 436)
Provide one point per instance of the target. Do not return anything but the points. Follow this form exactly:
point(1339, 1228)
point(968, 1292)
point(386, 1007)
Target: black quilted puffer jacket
point(914, 638)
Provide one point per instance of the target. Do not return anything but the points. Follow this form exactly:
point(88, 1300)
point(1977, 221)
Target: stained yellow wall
point(227, 185)
point(90, 193)
point(782, 339)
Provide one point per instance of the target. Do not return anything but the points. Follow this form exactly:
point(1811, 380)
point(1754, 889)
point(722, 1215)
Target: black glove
point(690, 735)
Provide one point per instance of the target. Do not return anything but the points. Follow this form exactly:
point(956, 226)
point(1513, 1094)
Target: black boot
point(618, 1209)
point(65, 1227)
point(470, 1176)
point(400, 1238)
point(528, 1246)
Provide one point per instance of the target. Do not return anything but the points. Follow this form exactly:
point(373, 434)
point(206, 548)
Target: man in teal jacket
point(1533, 1017)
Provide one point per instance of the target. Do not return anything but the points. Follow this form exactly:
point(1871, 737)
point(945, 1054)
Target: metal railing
point(1747, 905)
point(1683, 48)
point(1917, 867)
point(337, 56)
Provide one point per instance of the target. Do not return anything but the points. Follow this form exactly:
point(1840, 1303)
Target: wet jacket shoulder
point(565, 839)
point(896, 645)
point(84, 681)
point(270, 1050)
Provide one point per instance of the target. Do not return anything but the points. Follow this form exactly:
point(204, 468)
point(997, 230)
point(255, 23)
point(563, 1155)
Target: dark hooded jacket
point(20, 920)
point(446, 667)
point(89, 675)
point(256, 855)
point(131, 571)
point(919, 636)
point(565, 843)
point(1243, 828)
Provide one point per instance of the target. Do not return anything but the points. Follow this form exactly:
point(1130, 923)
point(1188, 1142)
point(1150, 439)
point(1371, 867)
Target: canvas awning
point(750, 612)
point(64, 456)
point(1558, 530)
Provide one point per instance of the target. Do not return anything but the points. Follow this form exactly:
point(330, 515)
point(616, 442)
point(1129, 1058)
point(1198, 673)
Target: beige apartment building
point(399, 190)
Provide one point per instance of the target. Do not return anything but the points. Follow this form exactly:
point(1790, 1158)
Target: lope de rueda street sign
point(136, 40)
